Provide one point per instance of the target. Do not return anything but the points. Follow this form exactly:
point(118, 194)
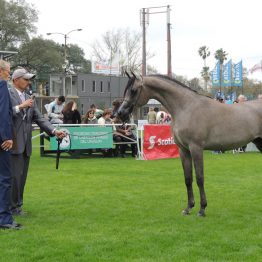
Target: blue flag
point(227, 74)
point(216, 75)
point(238, 74)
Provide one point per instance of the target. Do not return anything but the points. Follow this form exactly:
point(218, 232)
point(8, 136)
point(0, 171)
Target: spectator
point(168, 119)
point(151, 116)
point(241, 99)
point(98, 112)
point(90, 117)
point(161, 118)
point(55, 109)
point(116, 104)
point(70, 114)
point(105, 118)
point(124, 134)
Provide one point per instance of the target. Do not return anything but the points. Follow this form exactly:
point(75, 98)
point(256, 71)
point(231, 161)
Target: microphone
point(26, 110)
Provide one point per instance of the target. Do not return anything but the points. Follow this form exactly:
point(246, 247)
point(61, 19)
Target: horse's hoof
point(186, 212)
point(201, 213)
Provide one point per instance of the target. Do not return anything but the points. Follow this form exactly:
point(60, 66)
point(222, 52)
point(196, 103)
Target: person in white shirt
point(105, 118)
point(55, 109)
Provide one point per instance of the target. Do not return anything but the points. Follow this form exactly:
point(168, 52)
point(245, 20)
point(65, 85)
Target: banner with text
point(216, 75)
point(84, 138)
point(159, 143)
point(227, 74)
point(238, 74)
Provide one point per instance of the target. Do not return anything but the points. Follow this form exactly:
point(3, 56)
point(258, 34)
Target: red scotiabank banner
point(159, 142)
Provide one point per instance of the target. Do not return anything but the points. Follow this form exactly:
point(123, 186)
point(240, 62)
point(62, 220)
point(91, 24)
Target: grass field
point(113, 209)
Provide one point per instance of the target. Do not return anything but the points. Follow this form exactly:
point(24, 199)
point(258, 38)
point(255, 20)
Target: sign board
point(159, 142)
point(84, 138)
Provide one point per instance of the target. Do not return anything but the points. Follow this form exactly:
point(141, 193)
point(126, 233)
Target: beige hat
point(21, 72)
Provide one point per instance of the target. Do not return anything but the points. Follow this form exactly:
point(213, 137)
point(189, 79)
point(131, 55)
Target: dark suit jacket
point(22, 123)
point(6, 113)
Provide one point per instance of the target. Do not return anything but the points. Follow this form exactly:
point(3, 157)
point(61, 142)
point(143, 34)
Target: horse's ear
point(133, 74)
point(127, 75)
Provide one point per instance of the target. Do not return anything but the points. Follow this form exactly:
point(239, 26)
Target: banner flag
point(216, 75)
point(159, 143)
point(238, 74)
point(227, 74)
point(256, 67)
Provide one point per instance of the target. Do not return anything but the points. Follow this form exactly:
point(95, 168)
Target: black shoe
point(14, 225)
point(18, 212)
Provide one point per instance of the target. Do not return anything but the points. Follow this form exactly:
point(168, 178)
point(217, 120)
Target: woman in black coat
point(71, 114)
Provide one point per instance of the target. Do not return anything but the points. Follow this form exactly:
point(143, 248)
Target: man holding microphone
point(25, 112)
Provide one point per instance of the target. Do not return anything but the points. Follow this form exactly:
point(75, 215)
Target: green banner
point(85, 137)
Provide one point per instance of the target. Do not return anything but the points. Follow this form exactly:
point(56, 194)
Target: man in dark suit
point(25, 112)
point(6, 219)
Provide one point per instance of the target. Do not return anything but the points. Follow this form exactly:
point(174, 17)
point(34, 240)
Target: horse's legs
point(258, 143)
point(187, 167)
point(197, 156)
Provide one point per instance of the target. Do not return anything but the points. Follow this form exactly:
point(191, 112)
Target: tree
point(40, 55)
point(77, 61)
point(17, 20)
point(205, 73)
point(45, 57)
point(122, 45)
point(204, 52)
point(221, 56)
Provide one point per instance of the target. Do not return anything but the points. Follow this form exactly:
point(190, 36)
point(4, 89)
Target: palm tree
point(206, 75)
point(204, 52)
point(221, 56)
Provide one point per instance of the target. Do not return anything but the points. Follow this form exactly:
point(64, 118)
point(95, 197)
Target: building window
point(82, 109)
point(108, 87)
point(101, 86)
point(94, 86)
point(145, 111)
point(83, 85)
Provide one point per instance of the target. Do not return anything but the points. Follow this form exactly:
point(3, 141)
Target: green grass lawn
point(114, 209)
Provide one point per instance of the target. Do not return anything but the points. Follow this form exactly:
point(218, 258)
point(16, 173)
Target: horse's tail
point(258, 143)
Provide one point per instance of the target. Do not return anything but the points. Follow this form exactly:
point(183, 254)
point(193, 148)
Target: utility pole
point(144, 42)
point(169, 64)
point(65, 66)
point(145, 12)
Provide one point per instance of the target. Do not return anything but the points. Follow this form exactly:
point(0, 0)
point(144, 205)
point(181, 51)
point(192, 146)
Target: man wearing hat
point(25, 112)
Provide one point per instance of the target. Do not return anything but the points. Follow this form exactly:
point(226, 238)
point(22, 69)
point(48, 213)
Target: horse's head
point(133, 97)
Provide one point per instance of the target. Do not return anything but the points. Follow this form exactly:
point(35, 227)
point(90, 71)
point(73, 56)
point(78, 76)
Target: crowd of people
point(154, 116)
point(60, 112)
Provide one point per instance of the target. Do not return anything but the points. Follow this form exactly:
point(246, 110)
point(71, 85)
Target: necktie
point(22, 96)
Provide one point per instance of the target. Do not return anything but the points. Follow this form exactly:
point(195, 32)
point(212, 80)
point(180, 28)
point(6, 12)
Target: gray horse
point(200, 123)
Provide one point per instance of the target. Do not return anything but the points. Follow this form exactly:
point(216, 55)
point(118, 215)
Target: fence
point(83, 137)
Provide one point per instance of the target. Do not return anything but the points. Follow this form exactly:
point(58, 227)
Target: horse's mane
point(182, 84)
point(132, 79)
point(175, 81)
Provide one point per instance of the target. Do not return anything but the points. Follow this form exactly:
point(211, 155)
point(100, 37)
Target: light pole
point(65, 52)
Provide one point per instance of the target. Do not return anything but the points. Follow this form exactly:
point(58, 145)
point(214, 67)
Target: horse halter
point(134, 103)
